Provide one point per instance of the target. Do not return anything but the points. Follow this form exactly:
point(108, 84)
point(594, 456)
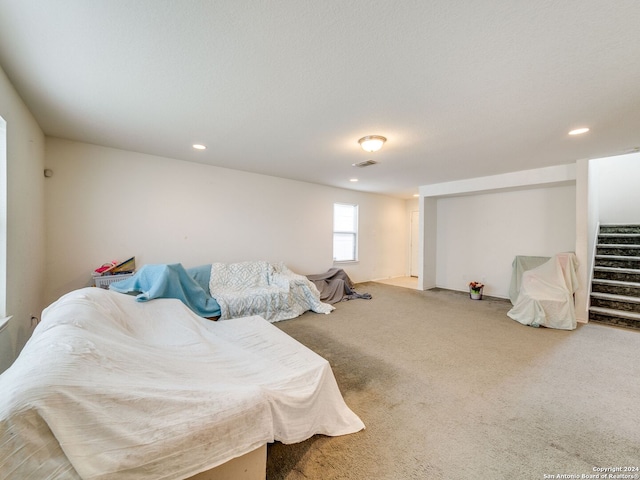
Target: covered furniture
point(335, 285)
point(170, 281)
point(111, 388)
point(228, 290)
point(521, 264)
point(545, 298)
point(260, 288)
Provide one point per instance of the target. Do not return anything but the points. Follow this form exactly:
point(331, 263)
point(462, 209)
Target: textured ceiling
point(460, 88)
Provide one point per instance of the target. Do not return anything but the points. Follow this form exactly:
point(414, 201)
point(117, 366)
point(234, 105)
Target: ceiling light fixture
point(579, 131)
point(372, 143)
point(198, 146)
point(353, 180)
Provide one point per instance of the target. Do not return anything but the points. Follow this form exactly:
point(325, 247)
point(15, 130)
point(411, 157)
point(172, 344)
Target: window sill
point(4, 322)
point(342, 262)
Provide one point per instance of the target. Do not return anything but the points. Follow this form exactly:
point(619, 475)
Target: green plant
point(476, 287)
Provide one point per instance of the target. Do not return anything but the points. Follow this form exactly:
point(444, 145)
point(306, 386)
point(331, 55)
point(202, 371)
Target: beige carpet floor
point(451, 388)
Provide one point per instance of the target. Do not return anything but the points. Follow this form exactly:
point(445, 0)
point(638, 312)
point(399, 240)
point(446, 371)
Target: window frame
point(354, 232)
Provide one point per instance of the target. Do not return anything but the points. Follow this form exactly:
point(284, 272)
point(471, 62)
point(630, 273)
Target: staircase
point(615, 289)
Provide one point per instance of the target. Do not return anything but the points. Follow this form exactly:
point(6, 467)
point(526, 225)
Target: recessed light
point(198, 146)
point(416, 194)
point(579, 131)
point(353, 180)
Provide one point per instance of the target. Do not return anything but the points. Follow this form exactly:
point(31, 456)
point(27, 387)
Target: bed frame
point(250, 466)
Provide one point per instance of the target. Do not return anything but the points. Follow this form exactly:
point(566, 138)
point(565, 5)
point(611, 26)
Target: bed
point(111, 388)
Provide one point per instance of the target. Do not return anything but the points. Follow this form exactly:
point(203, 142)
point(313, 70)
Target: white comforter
point(109, 388)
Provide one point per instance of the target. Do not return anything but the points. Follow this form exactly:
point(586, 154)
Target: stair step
point(619, 283)
point(613, 273)
point(617, 298)
point(619, 228)
point(619, 238)
point(618, 250)
point(627, 271)
point(621, 261)
point(617, 287)
point(616, 313)
point(614, 317)
point(621, 235)
point(615, 302)
point(624, 283)
point(623, 246)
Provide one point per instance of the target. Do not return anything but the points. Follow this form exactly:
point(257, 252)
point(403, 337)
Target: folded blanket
point(169, 281)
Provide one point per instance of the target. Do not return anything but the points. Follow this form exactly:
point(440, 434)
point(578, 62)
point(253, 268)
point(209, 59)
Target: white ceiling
point(286, 87)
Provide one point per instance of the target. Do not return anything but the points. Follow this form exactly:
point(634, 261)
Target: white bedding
point(109, 388)
point(259, 288)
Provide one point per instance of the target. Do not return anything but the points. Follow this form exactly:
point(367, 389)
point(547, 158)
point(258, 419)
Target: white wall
point(478, 236)
point(618, 181)
point(104, 204)
point(474, 228)
point(25, 222)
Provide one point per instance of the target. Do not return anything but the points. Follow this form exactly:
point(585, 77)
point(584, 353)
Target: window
point(345, 232)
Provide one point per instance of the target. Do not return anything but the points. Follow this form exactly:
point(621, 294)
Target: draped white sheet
point(546, 294)
point(110, 388)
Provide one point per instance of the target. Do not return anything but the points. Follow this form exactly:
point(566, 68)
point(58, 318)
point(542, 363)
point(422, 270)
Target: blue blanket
point(170, 281)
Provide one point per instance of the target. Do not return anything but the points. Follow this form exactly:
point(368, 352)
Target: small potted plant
point(475, 290)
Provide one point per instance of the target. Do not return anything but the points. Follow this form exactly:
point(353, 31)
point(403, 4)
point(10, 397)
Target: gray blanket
point(335, 286)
